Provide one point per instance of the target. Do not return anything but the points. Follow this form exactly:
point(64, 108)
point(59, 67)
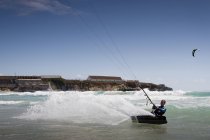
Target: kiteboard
point(149, 119)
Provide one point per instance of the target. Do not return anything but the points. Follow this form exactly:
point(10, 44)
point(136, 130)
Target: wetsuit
point(159, 111)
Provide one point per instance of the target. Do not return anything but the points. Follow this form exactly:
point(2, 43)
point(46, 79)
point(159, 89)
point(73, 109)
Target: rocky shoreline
point(44, 83)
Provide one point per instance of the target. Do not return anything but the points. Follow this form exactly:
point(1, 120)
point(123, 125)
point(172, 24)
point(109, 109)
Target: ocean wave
point(198, 94)
point(11, 102)
point(37, 93)
point(139, 93)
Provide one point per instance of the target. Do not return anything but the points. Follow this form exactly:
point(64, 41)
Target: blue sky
point(148, 40)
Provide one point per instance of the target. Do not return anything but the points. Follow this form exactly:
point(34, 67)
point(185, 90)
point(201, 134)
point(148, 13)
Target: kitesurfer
point(159, 111)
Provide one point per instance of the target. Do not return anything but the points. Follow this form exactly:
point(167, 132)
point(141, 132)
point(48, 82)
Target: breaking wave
point(11, 102)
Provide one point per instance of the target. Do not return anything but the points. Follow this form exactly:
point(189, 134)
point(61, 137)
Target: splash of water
point(84, 108)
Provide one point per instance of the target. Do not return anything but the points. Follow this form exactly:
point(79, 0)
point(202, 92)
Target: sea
point(102, 115)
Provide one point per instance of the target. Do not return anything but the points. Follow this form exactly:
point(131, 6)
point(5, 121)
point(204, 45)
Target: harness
point(160, 111)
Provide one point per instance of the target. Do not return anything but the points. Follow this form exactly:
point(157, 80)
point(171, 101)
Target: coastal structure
point(7, 82)
point(31, 85)
point(105, 78)
point(23, 83)
point(56, 82)
point(50, 77)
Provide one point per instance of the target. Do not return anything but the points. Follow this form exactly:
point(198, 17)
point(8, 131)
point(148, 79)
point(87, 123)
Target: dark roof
point(19, 77)
point(7, 77)
point(50, 76)
point(105, 78)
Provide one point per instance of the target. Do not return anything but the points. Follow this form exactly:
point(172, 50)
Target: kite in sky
point(193, 52)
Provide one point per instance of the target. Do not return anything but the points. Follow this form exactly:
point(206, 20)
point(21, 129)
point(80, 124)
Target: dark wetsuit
point(159, 111)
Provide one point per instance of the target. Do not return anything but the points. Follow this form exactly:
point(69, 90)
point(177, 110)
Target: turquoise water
point(101, 115)
point(198, 94)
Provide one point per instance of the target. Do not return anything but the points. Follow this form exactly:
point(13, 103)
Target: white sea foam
point(10, 102)
point(37, 93)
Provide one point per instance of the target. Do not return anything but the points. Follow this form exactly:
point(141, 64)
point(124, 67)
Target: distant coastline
point(57, 83)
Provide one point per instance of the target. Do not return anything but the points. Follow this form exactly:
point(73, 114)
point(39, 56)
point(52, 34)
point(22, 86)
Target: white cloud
point(25, 7)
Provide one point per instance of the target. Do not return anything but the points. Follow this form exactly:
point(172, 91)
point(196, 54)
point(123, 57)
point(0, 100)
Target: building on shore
point(23, 83)
point(31, 85)
point(105, 79)
point(50, 77)
point(7, 82)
